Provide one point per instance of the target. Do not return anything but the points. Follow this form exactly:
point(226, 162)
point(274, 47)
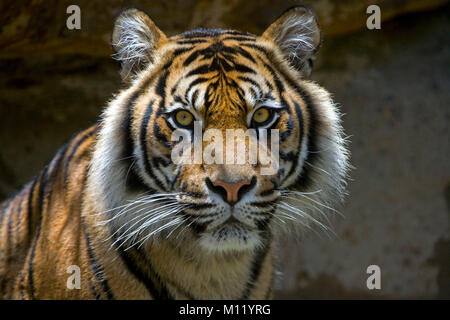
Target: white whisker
point(141, 217)
point(167, 225)
point(316, 202)
point(303, 214)
point(309, 205)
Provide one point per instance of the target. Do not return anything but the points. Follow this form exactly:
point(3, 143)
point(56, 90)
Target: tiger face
point(222, 85)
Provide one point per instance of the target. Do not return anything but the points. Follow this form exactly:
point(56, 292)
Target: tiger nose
point(231, 192)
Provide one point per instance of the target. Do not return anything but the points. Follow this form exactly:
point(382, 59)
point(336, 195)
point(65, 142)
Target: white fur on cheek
point(107, 173)
point(328, 172)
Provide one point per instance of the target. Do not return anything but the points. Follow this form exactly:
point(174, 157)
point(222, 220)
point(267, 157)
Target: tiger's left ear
point(297, 34)
point(135, 39)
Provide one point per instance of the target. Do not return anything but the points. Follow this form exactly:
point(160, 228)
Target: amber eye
point(184, 118)
point(261, 116)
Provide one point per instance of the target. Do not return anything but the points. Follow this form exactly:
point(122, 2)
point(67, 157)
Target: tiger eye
point(261, 115)
point(184, 118)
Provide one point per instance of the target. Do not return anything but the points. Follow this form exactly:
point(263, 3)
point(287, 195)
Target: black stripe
point(10, 221)
point(287, 156)
point(85, 135)
point(180, 51)
point(278, 83)
point(127, 123)
point(256, 267)
point(53, 170)
point(298, 111)
point(132, 265)
point(161, 86)
point(312, 155)
point(196, 226)
point(29, 231)
point(246, 54)
point(201, 33)
point(194, 97)
point(158, 162)
point(194, 55)
point(94, 291)
point(161, 91)
point(143, 141)
point(194, 41)
point(97, 269)
point(197, 195)
point(243, 69)
point(175, 178)
point(252, 82)
point(252, 39)
point(203, 69)
point(163, 293)
point(262, 204)
point(133, 180)
point(201, 206)
point(30, 205)
point(237, 33)
point(157, 131)
point(45, 182)
point(195, 82)
point(290, 127)
point(38, 232)
point(8, 241)
point(263, 223)
point(255, 46)
point(266, 192)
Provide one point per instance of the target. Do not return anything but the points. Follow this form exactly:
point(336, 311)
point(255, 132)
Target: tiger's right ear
point(297, 34)
point(134, 40)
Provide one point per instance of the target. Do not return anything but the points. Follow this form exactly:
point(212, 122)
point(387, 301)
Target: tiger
point(114, 209)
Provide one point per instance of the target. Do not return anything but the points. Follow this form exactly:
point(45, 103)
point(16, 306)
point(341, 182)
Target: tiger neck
point(165, 269)
point(162, 269)
point(190, 272)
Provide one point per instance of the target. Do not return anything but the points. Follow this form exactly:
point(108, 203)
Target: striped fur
point(138, 225)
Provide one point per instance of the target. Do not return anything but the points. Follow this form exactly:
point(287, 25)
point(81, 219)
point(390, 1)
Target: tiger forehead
point(223, 48)
point(215, 70)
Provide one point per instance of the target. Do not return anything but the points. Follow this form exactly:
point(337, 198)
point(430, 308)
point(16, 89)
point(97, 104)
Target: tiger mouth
point(231, 228)
point(233, 222)
point(234, 225)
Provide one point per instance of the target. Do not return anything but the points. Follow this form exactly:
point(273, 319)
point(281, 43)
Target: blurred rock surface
point(40, 25)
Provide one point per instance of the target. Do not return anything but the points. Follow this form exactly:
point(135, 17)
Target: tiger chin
point(136, 224)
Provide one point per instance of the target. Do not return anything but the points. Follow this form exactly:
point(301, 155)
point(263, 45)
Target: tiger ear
point(297, 34)
point(134, 40)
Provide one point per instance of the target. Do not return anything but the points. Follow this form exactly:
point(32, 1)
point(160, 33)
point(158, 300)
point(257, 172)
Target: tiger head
point(204, 87)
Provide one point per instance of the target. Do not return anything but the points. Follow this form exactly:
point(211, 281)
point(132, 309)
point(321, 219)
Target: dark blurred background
point(393, 85)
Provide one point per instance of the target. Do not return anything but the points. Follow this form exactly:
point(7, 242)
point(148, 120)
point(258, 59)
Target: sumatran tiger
point(112, 207)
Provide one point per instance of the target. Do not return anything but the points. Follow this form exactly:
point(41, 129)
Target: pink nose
point(231, 188)
point(231, 192)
